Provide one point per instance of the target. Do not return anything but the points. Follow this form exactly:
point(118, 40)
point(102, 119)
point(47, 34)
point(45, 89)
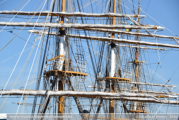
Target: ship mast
point(61, 73)
point(136, 108)
point(137, 52)
point(62, 54)
point(112, 72)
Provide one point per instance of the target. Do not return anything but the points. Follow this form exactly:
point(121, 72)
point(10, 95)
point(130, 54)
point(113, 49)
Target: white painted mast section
point(135, 105)
point(79, 26)
point(62, 52)
point(113, 67)
point(73, 14)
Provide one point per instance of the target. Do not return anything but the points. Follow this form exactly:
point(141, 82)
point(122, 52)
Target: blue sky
point(163, 11)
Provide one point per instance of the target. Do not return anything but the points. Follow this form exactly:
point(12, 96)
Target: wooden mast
point(111, 102)
point(136, 54)
point(137, 106)
point(60, 84)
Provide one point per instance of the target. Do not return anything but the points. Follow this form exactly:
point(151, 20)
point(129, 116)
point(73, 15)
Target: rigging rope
point(35, 54)
point(154, 19)
point(2, 1)
point(19, 57)
point(15, 15)
point(42, 66)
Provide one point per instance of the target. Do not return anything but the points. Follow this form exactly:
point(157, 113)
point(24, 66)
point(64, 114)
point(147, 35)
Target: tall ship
point(87, 59)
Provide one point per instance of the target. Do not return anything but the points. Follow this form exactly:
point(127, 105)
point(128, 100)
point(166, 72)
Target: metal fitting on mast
point(113, 45)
